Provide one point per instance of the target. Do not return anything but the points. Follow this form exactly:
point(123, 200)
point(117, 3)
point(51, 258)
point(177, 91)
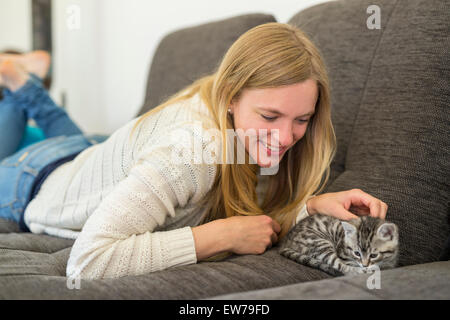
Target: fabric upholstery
point(188, 54)
point(427, 281)
point(390, 97)
point(37, 272)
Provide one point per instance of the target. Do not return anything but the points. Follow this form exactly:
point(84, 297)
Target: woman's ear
point(232, 105)
point(234, 102)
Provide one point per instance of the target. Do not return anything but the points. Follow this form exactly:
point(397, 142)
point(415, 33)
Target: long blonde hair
point(267, 56)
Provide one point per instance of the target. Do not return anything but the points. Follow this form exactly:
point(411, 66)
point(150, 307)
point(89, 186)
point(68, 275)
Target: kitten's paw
point(354, 271)
point(365, 270)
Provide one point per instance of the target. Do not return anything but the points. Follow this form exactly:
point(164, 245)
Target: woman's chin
point(265, 166)
point(268, 162)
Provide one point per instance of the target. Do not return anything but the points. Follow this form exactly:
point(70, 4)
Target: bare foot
point(37, 62)
point(12, 75)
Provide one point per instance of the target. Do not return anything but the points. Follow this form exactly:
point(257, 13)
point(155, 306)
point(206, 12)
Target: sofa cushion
point(390, 91)
point(424, 281)
point(26, 272)
point(186, 55)
point(23, 253)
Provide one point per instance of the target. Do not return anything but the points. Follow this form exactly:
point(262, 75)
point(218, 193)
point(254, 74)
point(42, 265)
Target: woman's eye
point(273, 118)
point(268, 118)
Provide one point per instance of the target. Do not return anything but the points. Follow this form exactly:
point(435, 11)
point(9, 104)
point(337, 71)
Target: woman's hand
point(339, 205)
point(240, 235)
point(252, 234)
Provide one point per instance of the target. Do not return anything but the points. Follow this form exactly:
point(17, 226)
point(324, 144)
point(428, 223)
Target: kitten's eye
point(357, 253)
point(373, 255)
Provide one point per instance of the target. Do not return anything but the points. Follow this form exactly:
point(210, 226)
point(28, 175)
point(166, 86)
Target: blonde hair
point(267, 56)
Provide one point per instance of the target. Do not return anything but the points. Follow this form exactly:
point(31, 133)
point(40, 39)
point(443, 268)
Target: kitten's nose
point(365, 262)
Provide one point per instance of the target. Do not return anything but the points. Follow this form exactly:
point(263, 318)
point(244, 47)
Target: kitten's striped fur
point(332, 245)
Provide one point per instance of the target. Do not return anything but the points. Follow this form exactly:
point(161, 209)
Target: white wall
point(102, 65)
point(79, 61)
point(15, 25)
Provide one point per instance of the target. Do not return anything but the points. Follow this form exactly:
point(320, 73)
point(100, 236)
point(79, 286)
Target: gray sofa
point(390, 108)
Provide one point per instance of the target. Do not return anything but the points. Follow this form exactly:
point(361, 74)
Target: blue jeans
point(19, 170)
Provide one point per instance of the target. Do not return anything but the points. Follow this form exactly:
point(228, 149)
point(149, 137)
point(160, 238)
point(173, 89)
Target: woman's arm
point(120, 237)
point(211, 239)
point(239, 234)
point(217, 236)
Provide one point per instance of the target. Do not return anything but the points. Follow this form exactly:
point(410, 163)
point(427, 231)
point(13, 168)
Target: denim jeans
point(19, 170)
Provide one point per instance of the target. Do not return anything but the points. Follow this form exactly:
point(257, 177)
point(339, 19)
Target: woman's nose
point(283, 136)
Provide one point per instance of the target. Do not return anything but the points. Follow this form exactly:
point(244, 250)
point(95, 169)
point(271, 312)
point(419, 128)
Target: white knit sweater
point(129, 207)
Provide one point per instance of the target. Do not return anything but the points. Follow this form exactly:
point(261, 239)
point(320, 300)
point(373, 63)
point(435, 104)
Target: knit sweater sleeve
point(302, 214)
point(119, 238)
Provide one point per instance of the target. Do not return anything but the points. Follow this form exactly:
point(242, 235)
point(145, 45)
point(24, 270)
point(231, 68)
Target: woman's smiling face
point(286, 108)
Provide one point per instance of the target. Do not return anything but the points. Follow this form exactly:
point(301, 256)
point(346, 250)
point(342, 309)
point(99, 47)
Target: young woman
point(133, 209)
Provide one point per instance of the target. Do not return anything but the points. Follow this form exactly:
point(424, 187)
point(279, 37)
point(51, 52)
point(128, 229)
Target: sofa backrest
point(186, 55)
point(390, 91)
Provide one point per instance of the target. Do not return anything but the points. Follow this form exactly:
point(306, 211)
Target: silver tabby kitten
point(342, 247)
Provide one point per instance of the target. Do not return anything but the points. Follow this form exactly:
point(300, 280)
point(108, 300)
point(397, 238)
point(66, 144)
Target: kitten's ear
point(348, 228)
point(387, 231)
